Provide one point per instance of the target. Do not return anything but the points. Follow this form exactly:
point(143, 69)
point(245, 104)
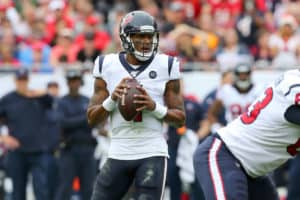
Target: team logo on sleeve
point(152, 74)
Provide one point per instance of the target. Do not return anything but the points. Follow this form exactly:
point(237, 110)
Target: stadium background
point(208, 36)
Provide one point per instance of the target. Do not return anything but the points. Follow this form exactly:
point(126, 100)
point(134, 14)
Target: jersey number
point(250, 116)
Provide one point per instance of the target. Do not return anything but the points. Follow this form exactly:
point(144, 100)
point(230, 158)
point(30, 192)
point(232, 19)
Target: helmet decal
point(127, 19)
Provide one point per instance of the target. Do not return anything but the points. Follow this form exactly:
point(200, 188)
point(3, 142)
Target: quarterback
point(233, 163)
point(138, 150)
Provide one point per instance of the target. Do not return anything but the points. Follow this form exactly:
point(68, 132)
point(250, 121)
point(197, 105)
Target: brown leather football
point(125, 104)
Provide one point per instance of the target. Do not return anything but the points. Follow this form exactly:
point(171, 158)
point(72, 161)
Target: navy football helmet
point(134, 23)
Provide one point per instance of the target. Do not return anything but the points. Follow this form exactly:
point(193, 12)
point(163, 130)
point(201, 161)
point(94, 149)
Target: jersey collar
point(132, 71)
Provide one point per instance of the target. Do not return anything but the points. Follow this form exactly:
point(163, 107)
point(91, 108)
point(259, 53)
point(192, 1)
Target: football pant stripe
point(215, 170)
point(164, 179)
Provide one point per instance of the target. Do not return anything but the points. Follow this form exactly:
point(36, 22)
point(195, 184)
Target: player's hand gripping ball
point(125, 103)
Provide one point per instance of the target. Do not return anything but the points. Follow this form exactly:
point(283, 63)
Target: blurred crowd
point(205, 34)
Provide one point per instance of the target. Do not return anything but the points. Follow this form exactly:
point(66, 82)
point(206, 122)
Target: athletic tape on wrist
point(109, 104)
point(160, 111)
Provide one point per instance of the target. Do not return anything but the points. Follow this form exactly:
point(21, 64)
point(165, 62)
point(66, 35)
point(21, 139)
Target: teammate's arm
point(212, 117)
point(214, 111)
point(174, 101)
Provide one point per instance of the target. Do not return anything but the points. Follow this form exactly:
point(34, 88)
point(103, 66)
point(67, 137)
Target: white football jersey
point(261, 138)
point(136, 140)
point(234, 102)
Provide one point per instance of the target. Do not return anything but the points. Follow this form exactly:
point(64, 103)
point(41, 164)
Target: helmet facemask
point(132, 45)
point(242, 76)
point(243, 84)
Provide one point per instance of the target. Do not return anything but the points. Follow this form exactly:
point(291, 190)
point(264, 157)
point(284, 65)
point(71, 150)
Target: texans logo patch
point(152, 74)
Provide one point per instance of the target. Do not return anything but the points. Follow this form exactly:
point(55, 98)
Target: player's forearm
point(214, 111)
point(175, 117)
point(96, 114)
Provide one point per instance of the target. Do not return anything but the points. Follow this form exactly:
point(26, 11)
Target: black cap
point(22, 73)
point(73, 74)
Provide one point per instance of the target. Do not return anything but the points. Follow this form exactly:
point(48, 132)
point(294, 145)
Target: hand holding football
point(125, 104)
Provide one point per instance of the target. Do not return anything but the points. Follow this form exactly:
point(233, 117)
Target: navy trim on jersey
point(290, 88)
point(170, 64)
point(129, 68)
point(101, 59)
point(292, 114)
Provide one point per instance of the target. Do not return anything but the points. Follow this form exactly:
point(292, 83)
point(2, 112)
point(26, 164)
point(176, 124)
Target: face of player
point(243, 81)
point(142, 42)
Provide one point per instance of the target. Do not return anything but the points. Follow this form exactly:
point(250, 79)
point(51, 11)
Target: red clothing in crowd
point(224, 11)
point(101, 40)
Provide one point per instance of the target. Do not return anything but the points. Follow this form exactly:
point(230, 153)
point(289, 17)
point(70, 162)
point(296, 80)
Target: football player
point(138, 150)
point(233, 98)
point(233, 163)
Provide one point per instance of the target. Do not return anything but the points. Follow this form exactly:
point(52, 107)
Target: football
point(125, 104)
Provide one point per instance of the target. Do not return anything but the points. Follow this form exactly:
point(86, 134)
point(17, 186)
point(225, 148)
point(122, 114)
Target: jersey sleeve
point(96, 71)
point(175, 69)
point(221, 92)
point(290, 87)
point(98, 66)
point(293, 94)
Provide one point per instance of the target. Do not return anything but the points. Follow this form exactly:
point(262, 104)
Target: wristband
point(109, 104)
point(160, 111)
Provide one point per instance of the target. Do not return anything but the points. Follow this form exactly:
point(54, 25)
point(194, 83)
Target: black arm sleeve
point(292, 114)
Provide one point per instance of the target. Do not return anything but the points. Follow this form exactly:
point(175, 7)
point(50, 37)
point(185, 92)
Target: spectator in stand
point(225, 13)
point(57, 19)
point(175, 14)
point(23, 111)
point(208, 37)
point(7, 57)
point(284, 43)
point(79, 10)
point(92, 26)
point(39, 32)
point(248, 23)
point(8, 50)
point(262, 54)
point(36, 57)
point(65, 51)
point(88, 53)
point(206, 42)
point(233, 52)
point(114, 19)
